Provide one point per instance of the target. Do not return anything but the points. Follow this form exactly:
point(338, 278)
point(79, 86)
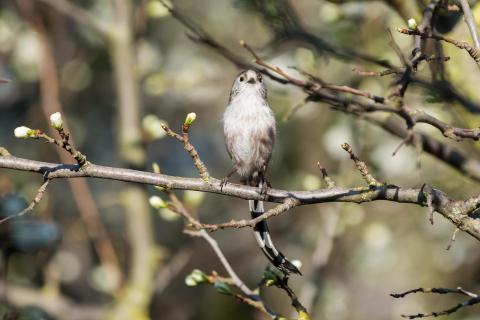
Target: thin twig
point(214, 244)
point(411, 116)
point(282, 283)
point(184, 138)
point(330, 183)
point(472, 51)
point(404, 141)
point(249, 296)
point(362, 167)
point(64, 143)
point(457, 133)
point(474, 299)
point(376, 73)
point(452, 239)
point(38, 197)
point(281, 208)
point(470, 21)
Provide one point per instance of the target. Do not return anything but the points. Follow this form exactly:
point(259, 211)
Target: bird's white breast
point(245, 119)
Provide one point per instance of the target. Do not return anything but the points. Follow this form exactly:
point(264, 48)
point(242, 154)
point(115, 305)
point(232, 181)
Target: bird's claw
point(264, 188)
point(223, 183)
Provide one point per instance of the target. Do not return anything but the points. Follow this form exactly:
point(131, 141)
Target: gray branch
point(459, 212)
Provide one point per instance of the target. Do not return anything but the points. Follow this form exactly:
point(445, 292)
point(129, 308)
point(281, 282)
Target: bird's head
point(248, 82)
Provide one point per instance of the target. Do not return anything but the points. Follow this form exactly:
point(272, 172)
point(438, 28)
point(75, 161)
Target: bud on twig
point(412, 24)
point(24, 132)
point(195, 278)
point(56, 120)
point(190, 119)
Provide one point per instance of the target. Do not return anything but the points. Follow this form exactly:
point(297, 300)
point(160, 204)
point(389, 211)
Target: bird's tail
point(262, 235)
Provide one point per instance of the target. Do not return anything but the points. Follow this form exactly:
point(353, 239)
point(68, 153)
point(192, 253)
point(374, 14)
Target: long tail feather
point(262, 235)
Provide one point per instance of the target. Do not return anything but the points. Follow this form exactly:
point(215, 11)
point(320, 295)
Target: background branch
point(474, 299)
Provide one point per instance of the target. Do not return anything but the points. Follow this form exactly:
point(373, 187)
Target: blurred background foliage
point(353, 256)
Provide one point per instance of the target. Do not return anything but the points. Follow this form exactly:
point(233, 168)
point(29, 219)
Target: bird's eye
point(242, 78)
point(259, 78)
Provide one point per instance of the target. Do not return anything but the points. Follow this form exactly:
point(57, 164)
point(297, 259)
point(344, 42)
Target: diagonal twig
point(470, 21)
point(184, 139)
point(38, 197)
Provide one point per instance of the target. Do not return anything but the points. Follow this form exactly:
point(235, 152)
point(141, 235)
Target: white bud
point(157, 202)
point(23, 132)
point(190, 281)
point(412, 24)
point(297, 263)
point(190, 118)
point(56, 120)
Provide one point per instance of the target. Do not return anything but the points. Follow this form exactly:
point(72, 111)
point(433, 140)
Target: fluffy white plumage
point(249, 125)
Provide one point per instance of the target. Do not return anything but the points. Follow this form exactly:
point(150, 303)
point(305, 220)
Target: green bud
point(412, 24)
point(270, 282)
point(190, 119)
point(199, 276)
point(156, 167)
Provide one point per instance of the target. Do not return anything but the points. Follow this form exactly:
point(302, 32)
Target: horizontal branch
point(458, 212)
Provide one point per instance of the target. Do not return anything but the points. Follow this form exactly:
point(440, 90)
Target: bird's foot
point(223, 183)
point(264, 188)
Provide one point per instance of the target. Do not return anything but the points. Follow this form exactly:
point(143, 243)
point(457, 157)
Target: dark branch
point(474, 299)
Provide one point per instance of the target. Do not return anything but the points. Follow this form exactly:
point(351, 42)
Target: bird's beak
point(251, 80)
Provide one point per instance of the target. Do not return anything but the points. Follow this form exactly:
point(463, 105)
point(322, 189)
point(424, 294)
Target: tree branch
point(457, 211)
point(470, 21)
point(474, 299)
point(38, 197)
point(472, 51)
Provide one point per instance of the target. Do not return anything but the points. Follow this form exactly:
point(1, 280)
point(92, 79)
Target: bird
point(250, 129)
